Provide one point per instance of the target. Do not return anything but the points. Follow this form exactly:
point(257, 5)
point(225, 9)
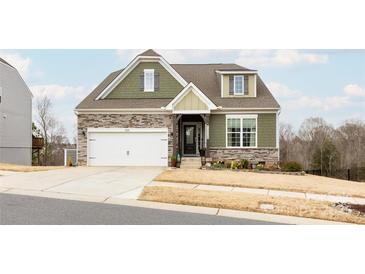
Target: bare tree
point(52, 131)
point(286, 135)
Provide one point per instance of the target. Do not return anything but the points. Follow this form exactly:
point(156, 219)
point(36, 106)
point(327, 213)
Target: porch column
point(206, 132)
point(175, 133)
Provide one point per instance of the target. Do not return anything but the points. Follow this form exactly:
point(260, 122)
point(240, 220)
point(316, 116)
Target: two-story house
point(15, 117)
point(150, 110)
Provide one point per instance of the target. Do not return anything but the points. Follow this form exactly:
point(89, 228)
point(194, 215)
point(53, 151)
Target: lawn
point(248, 202)
point(21, 168)
point(306, 183)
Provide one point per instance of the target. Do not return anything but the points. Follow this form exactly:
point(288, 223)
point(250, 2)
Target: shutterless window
point(149, 80)
point(238, 85)
point(241, 132)
point(234, 132)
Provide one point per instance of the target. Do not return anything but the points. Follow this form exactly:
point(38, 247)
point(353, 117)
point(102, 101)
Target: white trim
point(242, 111)
point(255, 85)
point(197, 92)
point(92, 130)
point(132, 65)
point(196, 124)
point(236, 72)
point(241, 117)
point(145, 72)
point(190, 111)
point(234, 84)
point(222, 86)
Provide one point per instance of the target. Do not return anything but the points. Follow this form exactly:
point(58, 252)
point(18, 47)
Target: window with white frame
point(241, 131)
point(149, 80)
point(238, 85)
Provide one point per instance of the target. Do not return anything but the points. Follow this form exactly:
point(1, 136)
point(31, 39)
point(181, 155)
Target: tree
point(286, 135)
point(52, 131)
point(325, 157)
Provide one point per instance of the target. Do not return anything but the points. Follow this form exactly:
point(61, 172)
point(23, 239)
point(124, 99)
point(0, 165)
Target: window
point(149, 80)
point(241, 131)
point(238, 85)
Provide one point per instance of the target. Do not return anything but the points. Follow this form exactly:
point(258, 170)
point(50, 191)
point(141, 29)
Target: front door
point(189, 140)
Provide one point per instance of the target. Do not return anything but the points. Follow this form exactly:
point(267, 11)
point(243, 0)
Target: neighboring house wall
point(85, 121)
point(130, 86)
point(251, 82)
point(266, 140)
point(191, 102)
point(15, 118)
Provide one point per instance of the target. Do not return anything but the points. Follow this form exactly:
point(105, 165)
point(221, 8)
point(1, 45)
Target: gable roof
point(191, 88)
point(149, 52)
point(203, 76)
point(6, 63)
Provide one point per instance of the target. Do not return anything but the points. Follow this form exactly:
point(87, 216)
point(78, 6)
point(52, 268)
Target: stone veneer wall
point(268, 155)
point(85, 121)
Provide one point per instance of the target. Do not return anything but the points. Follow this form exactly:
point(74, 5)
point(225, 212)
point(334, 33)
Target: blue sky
point(326, 83)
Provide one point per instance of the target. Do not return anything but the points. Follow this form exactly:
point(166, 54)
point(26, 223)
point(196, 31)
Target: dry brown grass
point(307, 183)
point(248, 202)
point(20, 168)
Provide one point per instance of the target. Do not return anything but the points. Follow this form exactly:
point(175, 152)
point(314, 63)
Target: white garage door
point(128, 147)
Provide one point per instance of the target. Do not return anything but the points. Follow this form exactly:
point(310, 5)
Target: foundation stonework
point(268, 155)
point(85, 121)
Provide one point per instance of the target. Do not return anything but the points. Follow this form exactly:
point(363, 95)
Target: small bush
point(244, 164)
point(260, 167)
point(69, 162)
point(291, 167)
point(235, 165)
point(218, 164)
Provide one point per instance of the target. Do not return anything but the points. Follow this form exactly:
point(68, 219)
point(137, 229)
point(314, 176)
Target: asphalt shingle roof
point(204, 76)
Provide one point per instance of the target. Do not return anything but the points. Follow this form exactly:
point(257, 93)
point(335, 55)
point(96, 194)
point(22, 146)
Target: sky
point(306, 83)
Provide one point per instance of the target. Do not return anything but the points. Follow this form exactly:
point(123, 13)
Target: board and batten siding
point(266, 130)
point(251, 86)
point(191, 102)
point(130, 86)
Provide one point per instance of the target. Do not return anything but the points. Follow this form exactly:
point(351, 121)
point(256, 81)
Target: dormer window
point(149, 80)
point(238, 85)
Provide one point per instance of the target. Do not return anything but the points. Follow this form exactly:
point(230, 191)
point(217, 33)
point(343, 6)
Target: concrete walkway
point(268, 192)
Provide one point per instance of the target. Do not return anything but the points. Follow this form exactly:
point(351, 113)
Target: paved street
point(29, 210)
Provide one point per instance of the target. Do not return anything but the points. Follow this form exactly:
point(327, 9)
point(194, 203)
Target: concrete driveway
point(98, 182)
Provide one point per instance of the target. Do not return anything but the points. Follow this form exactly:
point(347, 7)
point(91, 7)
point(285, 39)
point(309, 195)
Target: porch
point(190, 135)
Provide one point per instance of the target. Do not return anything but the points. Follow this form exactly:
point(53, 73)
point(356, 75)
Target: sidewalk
point(268, 192)
point(118, 200)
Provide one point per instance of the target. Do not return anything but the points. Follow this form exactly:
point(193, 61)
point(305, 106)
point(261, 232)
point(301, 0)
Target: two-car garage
point(127, 146)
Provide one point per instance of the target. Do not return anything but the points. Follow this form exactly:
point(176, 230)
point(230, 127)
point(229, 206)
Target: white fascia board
point(122, 111)
point(132, 65)
point(93, 130)
point(197, 92)
point(190, 111)
point(236, 72)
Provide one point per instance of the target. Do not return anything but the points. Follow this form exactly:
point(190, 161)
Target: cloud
point(278, 58)
point(354, 90)
point(281, 90)
point(19, 62)
point(293, 99)
point(58, 91)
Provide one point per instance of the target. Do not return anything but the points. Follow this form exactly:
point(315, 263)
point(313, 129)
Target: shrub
point(291, 167)
point(244, 164)
point(260, 167)
point(218, 164)
point(235, 165)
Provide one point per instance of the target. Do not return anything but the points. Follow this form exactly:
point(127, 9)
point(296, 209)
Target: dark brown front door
point(189, 140)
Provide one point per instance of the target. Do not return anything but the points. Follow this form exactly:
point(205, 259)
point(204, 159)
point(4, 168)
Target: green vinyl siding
point(217, 130)
point(266, 124)
point(130, 86)
point(266, 130)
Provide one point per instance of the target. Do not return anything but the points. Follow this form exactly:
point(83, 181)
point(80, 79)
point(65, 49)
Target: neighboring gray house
point(15, 117)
